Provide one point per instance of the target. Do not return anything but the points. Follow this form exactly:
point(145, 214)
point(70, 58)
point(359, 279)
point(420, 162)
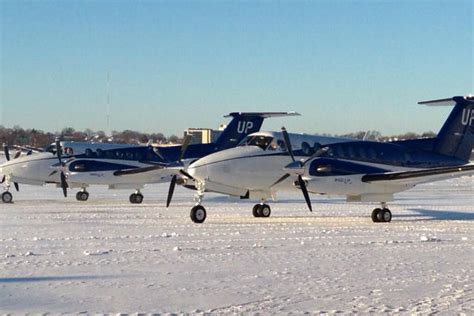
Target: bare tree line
point(40, 139)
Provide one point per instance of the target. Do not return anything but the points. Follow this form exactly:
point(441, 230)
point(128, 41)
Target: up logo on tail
point(467, 117)
point(244, 127)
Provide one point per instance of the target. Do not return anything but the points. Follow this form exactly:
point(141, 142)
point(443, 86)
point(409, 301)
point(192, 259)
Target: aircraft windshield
point(260, 141)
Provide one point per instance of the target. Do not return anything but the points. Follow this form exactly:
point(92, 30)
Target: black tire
point(138, 198)
point(132, 198)
point(198, 214)
point(82, 196)
point(380, 217)
point(255, 211)
point(375, 213)
point(386, 215)
point(7, 197)
point(265, 210)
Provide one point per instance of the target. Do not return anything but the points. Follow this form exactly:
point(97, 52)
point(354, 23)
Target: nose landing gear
point(198, 212)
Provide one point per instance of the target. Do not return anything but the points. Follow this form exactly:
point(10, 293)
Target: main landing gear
point(136, 198)
point(261, 210)
point(382, 215)
point(7, 197)
point(82, 195)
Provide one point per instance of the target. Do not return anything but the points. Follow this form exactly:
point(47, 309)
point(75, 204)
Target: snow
point(105, 255)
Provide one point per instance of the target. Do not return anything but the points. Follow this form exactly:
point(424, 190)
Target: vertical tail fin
point(456, 137)
point(243, 124)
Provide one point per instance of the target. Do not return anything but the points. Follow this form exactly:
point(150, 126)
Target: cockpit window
point(260, 141)
point(324, 152)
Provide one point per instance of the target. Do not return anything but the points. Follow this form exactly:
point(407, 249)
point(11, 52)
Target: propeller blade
point(3, 179)
point(305, 192)
point(184, 173)
point(283, 178)
point(137, 170)
point(17, 187)
point(286, 138)
point(184, 147)
point(52, 173)
point(64, 184)
point(171, 190)
point(7, 153)
point(17, 154)
point(58, 149)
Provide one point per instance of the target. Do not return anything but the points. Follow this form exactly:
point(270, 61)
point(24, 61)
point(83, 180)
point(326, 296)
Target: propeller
point(59, 150)
point(295, 167)
point(7, 153)
point(7, 156)
point(184, 147)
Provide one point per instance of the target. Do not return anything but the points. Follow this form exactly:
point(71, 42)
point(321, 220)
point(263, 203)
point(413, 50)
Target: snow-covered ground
point(105, 255)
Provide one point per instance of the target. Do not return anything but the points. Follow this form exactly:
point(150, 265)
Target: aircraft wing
point(137, 170)
point(421, 176)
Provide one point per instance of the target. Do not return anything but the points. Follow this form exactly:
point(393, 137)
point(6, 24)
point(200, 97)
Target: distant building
point(204, 135)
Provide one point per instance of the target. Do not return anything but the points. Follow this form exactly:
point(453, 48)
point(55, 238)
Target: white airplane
point(120, 166)
point(361, 170)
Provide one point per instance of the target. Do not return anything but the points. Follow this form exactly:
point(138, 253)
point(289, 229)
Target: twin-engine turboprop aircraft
point(120, 166)
point(361, 170)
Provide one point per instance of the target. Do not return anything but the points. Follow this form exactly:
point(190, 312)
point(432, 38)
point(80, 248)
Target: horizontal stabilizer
point(445, 102)
point(262, 114)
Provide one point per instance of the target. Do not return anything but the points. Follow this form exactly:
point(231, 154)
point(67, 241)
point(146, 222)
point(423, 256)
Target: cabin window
point(89, 152)
point(339, 151)
point(362, 153)
point(307, 150)
point(100, 153)
point(372, 154)
point(317, 146)
point(350, 152)
point(129, 155)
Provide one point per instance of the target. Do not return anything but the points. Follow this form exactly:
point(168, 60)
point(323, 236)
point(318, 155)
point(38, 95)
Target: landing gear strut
point(382, 215)
point(261, 210)
point(136, 198)
point(82, 195)
point(7, 197)
point(198, 212)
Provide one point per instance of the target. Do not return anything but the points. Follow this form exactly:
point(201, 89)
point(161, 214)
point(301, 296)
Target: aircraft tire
point(198, 214)
point(386, 215)
point(82, 196)
point(132, 198)
point(265, 210)
point(138, 198)
point(7, 197)
point(375, 217)
point(255, 210)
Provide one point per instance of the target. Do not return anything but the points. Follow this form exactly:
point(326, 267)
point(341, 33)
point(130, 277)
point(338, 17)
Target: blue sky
point(344, 65)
